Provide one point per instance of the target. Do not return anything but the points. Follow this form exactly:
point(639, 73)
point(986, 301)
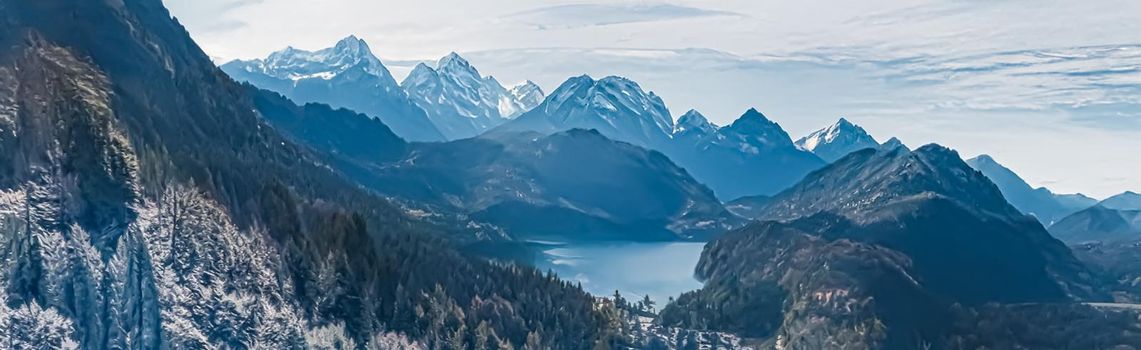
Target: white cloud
point(581, 15)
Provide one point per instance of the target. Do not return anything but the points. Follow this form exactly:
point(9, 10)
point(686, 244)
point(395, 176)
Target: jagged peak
point(453, 60)
point(693, 120)
point(354, 47)
point(615, 79)
point(843, 125)
point(837, 140)
point(526, 83)
point(693, 115)
point(292, 63)
point(526, 87)
point(352, 41)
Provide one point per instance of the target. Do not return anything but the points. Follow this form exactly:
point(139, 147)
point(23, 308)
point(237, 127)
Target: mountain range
point(464, 104)
point(751, 156)
point(461, 103)
point(1115, 219)
point(346, 75)
point(1040, 202)
point(448, 102)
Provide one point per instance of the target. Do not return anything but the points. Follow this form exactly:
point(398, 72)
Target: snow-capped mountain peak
point(613, 97)
point(352, 46)
point(830, 134)
point(837, 140)
point(617, 107)
point(529, 94)
point(345, 75)
point(460, 101)
point(452, 58)
point(297, 64)
point(693, 123)
point(454, 64)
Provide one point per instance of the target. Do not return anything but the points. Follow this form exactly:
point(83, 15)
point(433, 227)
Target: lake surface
point(661, 270)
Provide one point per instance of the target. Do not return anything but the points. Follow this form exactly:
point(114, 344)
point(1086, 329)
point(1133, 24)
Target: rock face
point(752, 156)
point(346, 75)
point(856, 254)
point(464, 104)
point(1044, 205)
point(146, 204)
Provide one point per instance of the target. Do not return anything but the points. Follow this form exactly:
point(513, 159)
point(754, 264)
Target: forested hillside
point(146, 205)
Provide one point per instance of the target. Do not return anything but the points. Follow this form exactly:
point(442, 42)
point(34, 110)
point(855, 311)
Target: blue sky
point(1050, 88)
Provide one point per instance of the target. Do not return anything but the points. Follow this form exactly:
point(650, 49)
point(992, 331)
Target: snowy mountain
point(752, 156)
point(461, 102)
point(837, 140)
point(1041, 203)
point(346, 75)
point(527, 94)
point(693, 125)
point(615, 106)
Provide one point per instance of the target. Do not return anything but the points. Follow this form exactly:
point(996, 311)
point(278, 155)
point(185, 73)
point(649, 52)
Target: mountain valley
point(151, 198)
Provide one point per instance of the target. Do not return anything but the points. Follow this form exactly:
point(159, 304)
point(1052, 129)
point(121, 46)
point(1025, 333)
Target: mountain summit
point(615, 106)
point(837, 140)
point(461, 102)
point(693, 124)
point(346, 75)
